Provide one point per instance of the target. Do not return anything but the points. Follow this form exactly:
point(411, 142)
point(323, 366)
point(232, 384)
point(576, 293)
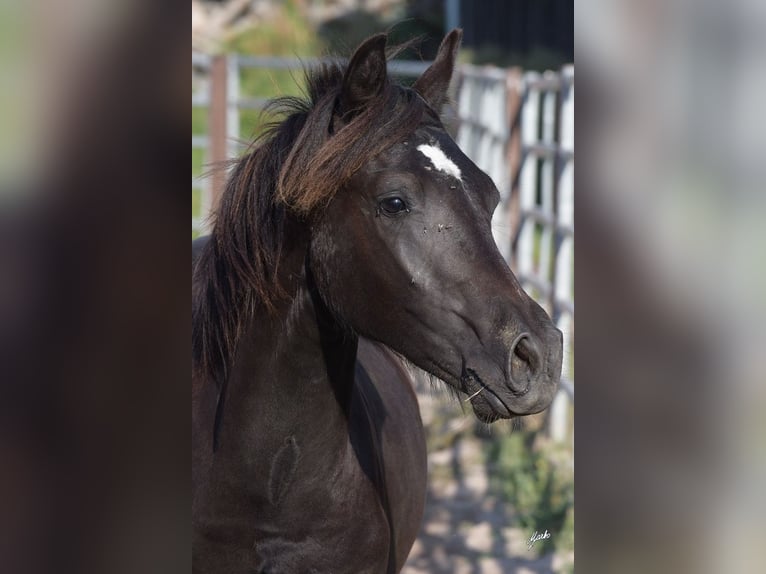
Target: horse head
point(403, 251)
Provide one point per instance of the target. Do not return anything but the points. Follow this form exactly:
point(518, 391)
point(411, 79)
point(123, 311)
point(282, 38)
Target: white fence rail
point(518, 127)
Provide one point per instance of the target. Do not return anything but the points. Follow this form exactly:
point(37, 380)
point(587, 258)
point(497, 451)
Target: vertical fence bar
point(496, 121)
point(558, 416)
point(565, 207)
point(548, 137)
point(564, 254)
point(217, 126)
point(232, 105)
point(530, 115)
point(484, 158)
point(514, 94)
point(463, 136)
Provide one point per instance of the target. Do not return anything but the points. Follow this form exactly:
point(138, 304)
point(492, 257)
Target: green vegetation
point(536, 480)
point(199, 121)
point(288, 33)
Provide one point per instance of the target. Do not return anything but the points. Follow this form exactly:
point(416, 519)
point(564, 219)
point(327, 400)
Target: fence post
point(217, 126)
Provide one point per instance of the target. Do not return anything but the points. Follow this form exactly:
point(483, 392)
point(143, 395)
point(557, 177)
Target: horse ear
point(366, 75)
point(433, 84)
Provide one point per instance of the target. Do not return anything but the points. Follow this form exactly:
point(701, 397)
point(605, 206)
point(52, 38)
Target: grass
point(536, 478)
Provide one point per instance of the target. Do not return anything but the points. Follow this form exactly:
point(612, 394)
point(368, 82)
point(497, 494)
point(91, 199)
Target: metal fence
point(517, 126)
point(546, 206)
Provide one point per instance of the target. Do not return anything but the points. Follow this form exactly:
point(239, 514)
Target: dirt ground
point(467, 528)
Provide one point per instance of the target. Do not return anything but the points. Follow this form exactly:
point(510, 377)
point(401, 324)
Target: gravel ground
point(467, 528)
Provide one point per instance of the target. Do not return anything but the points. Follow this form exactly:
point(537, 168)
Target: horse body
point(355, 230)
point(321, 429)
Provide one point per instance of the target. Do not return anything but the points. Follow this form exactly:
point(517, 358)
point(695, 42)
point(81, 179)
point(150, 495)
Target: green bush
point(538, 484)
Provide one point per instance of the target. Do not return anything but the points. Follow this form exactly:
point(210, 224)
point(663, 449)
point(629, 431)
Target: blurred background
point(512, 113)
point(670, 282)
point(671, 274)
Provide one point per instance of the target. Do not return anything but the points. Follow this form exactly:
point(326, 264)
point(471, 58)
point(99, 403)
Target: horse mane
point(292, 170)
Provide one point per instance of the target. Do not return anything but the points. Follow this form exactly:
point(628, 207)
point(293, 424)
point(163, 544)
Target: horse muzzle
point(531, 378)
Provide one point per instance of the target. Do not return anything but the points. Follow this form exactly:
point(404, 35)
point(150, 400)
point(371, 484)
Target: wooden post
point(217, 127)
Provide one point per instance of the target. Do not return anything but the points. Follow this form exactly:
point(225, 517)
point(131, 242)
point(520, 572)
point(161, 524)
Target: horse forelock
point(329, 150)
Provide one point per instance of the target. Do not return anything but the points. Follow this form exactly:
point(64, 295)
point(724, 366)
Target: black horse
point(353, 234)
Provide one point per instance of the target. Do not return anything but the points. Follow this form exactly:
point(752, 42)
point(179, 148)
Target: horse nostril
point(523, 363)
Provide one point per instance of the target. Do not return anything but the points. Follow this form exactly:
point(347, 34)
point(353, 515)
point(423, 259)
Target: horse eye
point(393, 205)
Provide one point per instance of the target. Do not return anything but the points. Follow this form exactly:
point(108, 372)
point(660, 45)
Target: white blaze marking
point(440, 161)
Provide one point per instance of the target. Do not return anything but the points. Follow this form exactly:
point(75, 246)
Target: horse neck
point(294, 369)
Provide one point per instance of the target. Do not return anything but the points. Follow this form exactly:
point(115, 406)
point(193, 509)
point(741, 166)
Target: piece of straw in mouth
point(473, 395)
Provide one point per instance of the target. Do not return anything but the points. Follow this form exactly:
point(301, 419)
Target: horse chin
point(485, 417)
point(488, 408)
point(486, 402)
